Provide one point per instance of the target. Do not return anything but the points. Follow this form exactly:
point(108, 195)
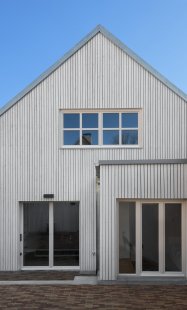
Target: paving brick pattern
point(37, 275)
point(94, 297)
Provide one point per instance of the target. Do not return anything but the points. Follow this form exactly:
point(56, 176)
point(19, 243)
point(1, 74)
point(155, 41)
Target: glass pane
point(127, 243)
point(150, 237)
point(71, 120)
point(173, 237)
point(36, 234)
point(71, 137)
point(110, 120)
point(66, 234)
point(130, 120)
point(90, 120)
point(129, 136)
point(111, 137)
point(89, 137)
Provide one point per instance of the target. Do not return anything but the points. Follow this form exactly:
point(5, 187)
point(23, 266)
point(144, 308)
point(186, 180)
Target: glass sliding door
point(50, 234)
point(150, 257)
point(66, 234)
point(127, 242)
point(173, 246)
point(36, 234)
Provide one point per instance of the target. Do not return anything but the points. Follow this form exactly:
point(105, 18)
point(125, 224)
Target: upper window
point(102, 128)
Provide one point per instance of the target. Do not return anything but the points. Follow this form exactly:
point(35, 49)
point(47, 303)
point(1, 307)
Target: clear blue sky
point(36, 33)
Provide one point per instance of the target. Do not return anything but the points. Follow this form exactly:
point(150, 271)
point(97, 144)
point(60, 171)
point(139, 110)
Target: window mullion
point(100, 128)
point(80, 129)
point(120, 129)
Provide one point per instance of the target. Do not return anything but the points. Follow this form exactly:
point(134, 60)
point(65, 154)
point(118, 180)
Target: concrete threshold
point(78, 280)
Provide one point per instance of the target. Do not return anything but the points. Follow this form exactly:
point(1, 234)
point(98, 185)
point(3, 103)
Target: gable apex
point(98, 29)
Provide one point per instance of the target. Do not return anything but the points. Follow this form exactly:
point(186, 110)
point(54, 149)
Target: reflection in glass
point(127, 244)
point(129, 136)
point(66, 234)
point(111, 137)
point(71, 120)
point(71, 137)
point(110, 120)
point(130, 120)
point(173, 237)
point(90, 120)
point(36, 234)
point(150, 237)
point(89, 137)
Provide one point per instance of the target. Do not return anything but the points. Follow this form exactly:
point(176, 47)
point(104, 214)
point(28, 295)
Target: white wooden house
point(93, 167)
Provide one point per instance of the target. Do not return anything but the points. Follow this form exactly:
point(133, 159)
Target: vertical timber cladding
point(100, 75)
point(146, 181)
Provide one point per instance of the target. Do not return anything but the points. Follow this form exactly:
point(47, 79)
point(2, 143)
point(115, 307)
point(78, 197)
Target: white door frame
point(51, 241)
point(138, 229)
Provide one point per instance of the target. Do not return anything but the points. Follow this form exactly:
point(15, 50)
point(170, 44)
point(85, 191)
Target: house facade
point(93, 167)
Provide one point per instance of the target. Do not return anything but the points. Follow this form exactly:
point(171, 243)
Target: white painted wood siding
point(152, 181)
point(99, 76)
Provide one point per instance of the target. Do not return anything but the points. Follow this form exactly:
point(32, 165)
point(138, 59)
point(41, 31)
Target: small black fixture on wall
point(48, 196)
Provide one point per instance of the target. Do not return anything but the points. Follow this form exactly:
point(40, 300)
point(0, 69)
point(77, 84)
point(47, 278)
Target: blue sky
point(36, 33)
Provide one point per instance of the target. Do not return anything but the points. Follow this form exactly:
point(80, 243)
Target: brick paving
point(37, 275)
point(94, 297)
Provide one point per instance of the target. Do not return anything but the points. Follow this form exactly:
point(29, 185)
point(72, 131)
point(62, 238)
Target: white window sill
point(78, 147)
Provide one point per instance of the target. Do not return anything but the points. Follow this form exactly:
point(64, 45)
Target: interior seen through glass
point(65, 234)
point(150, 237)
point(36, 234)
point(127, 243)
point(173, 252)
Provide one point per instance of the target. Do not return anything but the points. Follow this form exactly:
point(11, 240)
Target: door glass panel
point(173, 237)
point(36, 234)
point(150, 237)
point(66, 234)
point(127, 255)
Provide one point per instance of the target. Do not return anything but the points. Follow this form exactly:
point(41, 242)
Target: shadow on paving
point(37, 275)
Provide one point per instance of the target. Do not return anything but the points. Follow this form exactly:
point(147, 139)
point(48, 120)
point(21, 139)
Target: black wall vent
point(48, 196)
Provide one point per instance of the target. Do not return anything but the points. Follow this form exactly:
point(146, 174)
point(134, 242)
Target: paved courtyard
point(94, 297)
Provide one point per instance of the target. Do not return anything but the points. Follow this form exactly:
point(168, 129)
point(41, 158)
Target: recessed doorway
point(50, 234)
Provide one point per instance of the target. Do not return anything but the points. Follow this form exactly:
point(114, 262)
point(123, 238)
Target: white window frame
point(100, 129)
point(161, 232)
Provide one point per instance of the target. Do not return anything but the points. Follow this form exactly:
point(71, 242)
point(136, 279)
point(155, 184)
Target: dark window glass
point(127, 237)
point(130, 120)
point(173, 248)
point(90, 120)
point(36, 234)
point(110, 120)
point(150, 237)
point(110, 137)
point(71, 137)
point(129, 136)
point(66, 234)
point(72, 120)
point(89, 137)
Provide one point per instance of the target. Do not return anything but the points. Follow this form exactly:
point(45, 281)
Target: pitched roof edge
point(143, 63)
point(79, 45)
point(50, 70)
